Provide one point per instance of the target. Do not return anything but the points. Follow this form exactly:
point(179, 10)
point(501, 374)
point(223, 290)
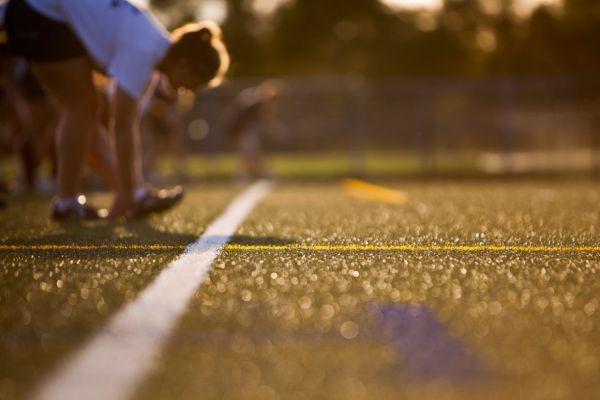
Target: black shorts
point(38, 38)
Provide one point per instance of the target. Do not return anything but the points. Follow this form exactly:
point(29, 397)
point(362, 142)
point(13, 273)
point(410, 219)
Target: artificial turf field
point(462, 290)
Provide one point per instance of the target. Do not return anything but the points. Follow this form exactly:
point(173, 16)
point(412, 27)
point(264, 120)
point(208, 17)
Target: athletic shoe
point(154, 201)
point(80, 211)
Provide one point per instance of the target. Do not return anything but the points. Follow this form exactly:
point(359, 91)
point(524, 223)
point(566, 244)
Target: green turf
point(300, 324)
point(274, 324)
point(327, 165)
point(50, 301)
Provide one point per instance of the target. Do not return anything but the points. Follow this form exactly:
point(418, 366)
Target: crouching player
point(64, 41)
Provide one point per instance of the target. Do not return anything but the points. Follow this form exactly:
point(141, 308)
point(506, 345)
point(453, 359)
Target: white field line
point(112, 364)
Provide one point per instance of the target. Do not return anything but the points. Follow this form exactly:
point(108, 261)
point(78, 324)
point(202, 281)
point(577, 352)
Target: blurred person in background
point(250, 123)
point(164, 132)
point(26, 118)
point(29, 121)
point(64, 41)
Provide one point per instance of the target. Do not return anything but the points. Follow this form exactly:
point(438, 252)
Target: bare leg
point(100, 157)
point(138, 170)
point(69, 83)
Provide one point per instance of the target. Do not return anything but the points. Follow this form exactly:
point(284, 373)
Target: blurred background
point(387, 88)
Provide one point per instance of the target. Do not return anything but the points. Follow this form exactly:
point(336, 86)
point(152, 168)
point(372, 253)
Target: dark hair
point(200, 45)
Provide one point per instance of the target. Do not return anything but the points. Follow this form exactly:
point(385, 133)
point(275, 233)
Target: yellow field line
point(155, 247)
point(369, 191)
point(414, 248)
point(350, 247)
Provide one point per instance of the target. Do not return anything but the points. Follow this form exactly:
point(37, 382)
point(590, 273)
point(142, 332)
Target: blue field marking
point(425, 347)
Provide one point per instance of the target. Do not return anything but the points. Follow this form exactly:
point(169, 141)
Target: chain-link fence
point(510, 124)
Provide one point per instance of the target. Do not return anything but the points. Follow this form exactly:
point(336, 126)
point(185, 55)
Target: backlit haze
point(522, 6)
point(215, 9)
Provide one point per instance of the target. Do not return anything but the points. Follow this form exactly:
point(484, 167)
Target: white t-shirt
point(123, 38)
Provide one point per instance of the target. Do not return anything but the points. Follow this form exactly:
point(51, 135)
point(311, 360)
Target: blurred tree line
point(464, 38)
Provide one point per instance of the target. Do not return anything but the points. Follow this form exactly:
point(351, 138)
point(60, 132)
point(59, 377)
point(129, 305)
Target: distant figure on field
point(252, 120)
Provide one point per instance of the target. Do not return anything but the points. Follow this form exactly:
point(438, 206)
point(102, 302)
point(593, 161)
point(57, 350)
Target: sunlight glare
point(212, 10)
point(522, 6)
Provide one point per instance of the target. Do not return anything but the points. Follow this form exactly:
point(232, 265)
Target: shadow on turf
point(134, 233)
point(131, 233)
point(246, 240)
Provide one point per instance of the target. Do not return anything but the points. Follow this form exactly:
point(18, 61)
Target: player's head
point(197, 56)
